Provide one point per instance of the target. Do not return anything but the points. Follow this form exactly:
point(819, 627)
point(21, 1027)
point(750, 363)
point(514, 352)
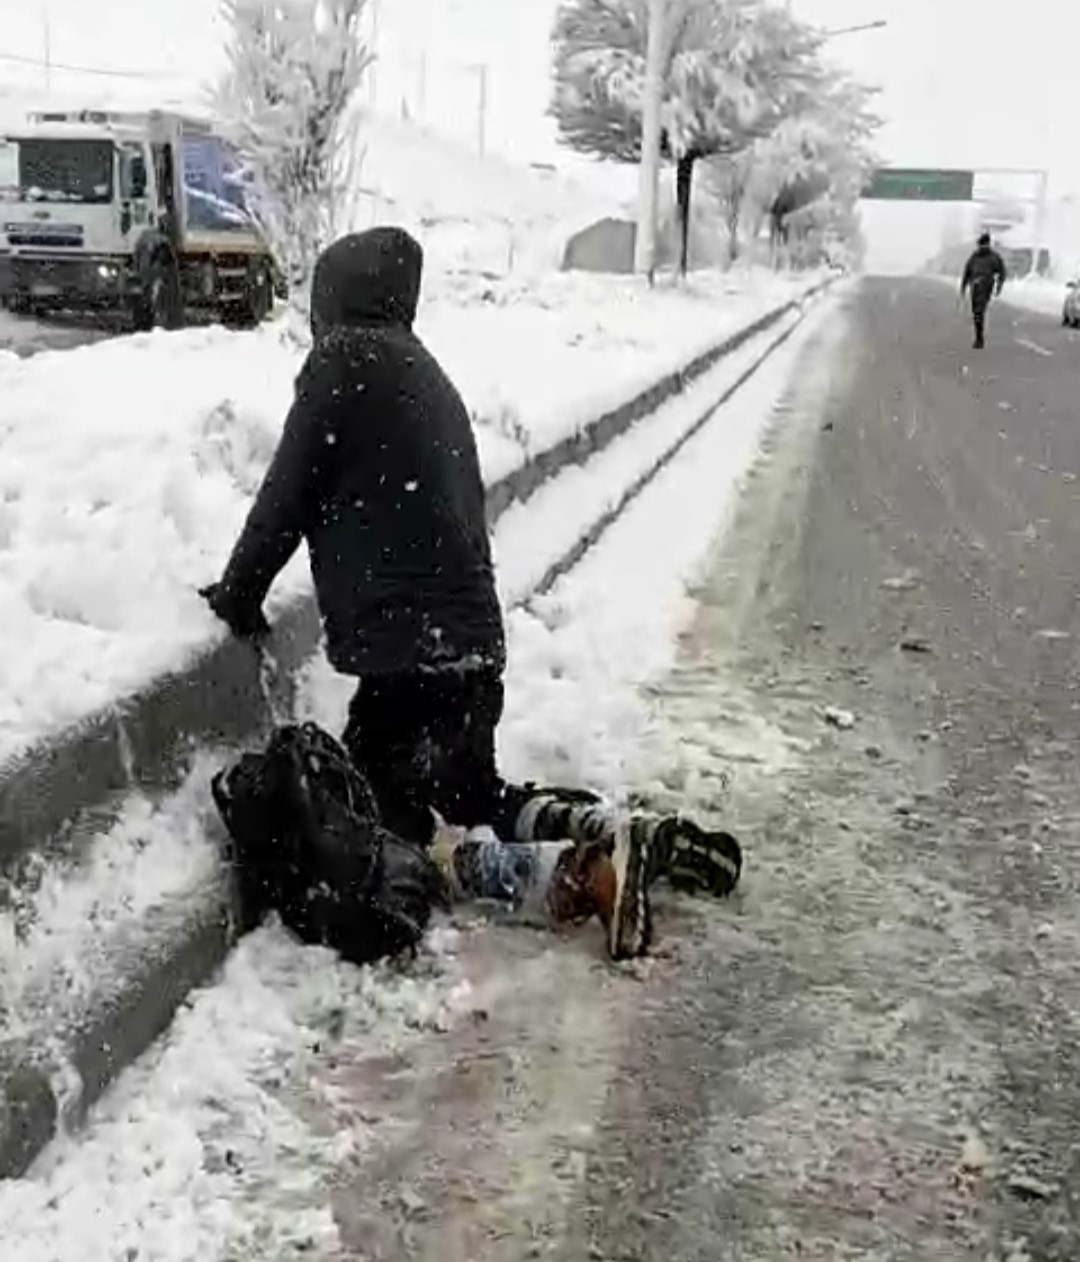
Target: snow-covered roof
point(69, 131)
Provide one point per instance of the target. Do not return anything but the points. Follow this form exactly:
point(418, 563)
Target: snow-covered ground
point(66, 932)
point(218, 1144)
point(128, 466)
point(482, 216)
point(473, 213)
point(1036, 294)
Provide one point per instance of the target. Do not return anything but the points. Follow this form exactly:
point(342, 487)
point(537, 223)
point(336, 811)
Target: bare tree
point(288, 102)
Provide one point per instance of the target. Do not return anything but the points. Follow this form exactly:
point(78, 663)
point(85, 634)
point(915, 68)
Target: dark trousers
point(427, 739)
point(980, 300)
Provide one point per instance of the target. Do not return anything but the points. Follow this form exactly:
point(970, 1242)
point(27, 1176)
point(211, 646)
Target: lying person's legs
point(426, 741)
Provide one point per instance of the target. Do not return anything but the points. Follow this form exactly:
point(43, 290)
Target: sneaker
point(629, 926)
point(607, 879)
point(695, 860)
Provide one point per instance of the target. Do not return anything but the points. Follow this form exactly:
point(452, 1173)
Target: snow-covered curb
point(141, 1013)
point(224, 1139)
point(216, 693)
point(126, 468)
point(58, 930)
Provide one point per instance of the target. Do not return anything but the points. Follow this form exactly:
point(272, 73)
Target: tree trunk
point(733, 216)
point(684, 181)
point(775, 239)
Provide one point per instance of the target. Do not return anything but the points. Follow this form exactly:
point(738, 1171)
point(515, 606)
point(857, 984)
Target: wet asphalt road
point(872, 1051)
point(876, 1052)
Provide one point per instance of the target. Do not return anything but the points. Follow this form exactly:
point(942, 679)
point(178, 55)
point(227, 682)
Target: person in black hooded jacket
point(984, 276)
point(377, 469)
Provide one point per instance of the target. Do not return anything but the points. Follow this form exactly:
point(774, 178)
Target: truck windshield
point(64, 171)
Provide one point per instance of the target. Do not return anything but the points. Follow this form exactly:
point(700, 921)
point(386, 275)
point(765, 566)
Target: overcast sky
point(959, 88)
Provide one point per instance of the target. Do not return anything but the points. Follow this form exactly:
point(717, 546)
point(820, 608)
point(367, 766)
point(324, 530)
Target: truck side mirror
point(137, 176)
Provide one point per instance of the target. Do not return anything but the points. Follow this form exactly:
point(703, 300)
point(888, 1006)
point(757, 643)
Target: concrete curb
point(62, 793)
point(148, 739)
point(52, 1075)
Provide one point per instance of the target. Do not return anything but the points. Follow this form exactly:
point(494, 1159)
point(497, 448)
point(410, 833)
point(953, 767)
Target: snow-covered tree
point(287, 101)
point(733, 71)
point(823, 154)
point(728, 179)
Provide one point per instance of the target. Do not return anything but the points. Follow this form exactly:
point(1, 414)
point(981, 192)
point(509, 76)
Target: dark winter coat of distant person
point(984, 277)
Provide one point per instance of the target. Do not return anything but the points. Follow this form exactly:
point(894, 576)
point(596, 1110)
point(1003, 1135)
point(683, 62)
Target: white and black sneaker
point(629, 925)
point(695, 859)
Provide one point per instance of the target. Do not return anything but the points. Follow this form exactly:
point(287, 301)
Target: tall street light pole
point(649, 172)
point(47, 33)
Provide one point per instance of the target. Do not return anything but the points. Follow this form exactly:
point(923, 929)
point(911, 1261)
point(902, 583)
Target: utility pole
point(1041, 211)
point(481, 107)
point(649, 171)
point(47, 32)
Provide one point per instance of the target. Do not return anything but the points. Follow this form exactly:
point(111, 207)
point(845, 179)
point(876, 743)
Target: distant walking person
point(984, 276)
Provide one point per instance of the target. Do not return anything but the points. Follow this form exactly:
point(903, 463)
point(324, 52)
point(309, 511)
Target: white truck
point(144, 212)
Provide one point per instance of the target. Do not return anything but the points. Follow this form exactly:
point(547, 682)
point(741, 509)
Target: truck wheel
point(158, 305)
point(258, 298)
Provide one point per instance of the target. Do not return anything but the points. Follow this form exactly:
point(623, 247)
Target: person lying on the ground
point(306, 841)
point(377, 469)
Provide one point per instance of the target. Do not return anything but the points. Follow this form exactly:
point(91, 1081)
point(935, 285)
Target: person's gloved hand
point(245, 621)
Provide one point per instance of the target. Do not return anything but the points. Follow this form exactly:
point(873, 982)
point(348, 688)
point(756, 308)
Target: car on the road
point(1070, 311)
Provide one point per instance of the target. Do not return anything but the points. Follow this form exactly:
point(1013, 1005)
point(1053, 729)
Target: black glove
point(245, 621)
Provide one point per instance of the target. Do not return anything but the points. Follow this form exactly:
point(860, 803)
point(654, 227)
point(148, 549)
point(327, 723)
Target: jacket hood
point(368, 277)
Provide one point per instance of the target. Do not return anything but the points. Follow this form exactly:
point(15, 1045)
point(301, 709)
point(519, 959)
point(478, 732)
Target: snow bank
point(479, 214)
point(127, 467)
point(60, 933)
point(203, 1150)
point(1036, 294)
point(224, 1141)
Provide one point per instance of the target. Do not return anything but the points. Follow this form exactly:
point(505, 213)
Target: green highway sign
point(894, 184)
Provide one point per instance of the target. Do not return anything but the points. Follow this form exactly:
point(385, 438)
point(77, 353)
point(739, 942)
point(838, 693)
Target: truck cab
point(141, 212)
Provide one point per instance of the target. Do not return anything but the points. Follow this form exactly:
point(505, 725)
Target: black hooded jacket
point(377, 469)
point(984, 273)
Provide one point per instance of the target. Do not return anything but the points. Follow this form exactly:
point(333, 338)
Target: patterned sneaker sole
point(706, 862)
point(630, 931)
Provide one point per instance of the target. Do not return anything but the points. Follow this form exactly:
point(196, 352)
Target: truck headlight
point(108, 271)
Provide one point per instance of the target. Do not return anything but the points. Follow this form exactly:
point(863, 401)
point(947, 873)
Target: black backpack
point(307, 843)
